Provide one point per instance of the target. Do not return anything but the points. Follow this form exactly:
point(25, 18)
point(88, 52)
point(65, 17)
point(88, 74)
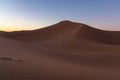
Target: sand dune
point(63, 51)
point(64, 32)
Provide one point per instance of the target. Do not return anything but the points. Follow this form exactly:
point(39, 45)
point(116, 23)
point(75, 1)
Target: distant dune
point(63, 51)
point(66, 31)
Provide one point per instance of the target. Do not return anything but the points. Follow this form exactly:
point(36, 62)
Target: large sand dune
point(64, 51)
point(66, 31)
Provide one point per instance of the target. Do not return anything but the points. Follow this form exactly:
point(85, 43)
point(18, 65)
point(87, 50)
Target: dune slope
point(66, 31)
point(52, 65)
point(64, 51)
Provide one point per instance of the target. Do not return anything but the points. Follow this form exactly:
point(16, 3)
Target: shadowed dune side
point(2, 33)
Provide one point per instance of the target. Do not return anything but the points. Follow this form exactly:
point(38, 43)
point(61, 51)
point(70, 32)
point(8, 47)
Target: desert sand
point(63, 51)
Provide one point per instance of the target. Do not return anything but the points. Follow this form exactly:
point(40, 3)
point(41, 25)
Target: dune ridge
point(63, 51)
point(66, 30)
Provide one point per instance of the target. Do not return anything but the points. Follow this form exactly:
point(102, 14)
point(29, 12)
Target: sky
point(35, 14)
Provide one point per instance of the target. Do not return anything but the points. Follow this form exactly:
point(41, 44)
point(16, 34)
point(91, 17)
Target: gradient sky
point(33, 14)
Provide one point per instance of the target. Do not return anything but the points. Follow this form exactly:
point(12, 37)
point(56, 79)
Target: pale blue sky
point(32, 14)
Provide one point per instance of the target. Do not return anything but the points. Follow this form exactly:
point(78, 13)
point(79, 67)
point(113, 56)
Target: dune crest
point(66, 31)
point(64, 51)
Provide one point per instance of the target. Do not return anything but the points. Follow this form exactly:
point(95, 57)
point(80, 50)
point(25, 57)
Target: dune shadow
point(9, 59)
point(6, 59)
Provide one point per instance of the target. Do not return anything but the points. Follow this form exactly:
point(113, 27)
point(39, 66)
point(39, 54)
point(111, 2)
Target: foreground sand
point(58, 57)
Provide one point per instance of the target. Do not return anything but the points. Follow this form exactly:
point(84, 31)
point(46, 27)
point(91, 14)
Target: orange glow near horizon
point(6, 29)
point(9, 29)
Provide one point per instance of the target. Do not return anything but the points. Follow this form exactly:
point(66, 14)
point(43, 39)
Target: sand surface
point(64, 51)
